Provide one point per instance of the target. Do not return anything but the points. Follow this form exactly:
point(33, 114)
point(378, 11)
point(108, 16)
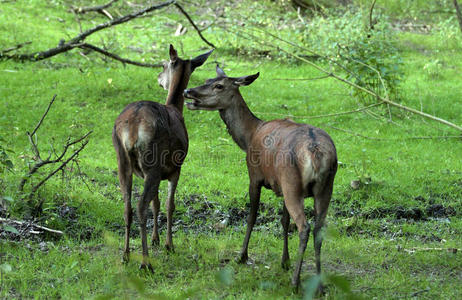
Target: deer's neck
point(178, 84)
point(240, 121)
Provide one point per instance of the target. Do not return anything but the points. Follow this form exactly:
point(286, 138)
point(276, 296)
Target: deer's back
point(152, 135)
point(282, 150)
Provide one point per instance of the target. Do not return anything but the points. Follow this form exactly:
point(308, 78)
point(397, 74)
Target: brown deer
point(294, 160)
point(150, 140)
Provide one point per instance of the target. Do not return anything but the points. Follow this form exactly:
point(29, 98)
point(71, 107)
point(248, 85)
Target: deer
point(150, 140)
point(294, 160)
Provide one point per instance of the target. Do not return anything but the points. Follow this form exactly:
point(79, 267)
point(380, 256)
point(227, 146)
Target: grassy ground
point(375, 235)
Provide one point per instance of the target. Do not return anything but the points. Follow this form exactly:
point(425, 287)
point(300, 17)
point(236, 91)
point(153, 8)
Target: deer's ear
point(246, 80)
point(173, 53)
point(220, 72)
point(200, 60)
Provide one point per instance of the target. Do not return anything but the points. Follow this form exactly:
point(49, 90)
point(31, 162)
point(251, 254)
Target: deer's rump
point(282, 150)
point(153, 136)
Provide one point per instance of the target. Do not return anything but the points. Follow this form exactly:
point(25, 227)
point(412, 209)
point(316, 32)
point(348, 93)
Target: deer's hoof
point(155, 242)
point(242, 259)
point(146, 267)
point(169, 248)
point(296, 283)
point(125, 258)
point(285, 264)
point(321, 290)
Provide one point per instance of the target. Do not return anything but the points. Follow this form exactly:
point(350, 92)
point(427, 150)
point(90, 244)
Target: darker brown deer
point(294, 160)
point(150, 140)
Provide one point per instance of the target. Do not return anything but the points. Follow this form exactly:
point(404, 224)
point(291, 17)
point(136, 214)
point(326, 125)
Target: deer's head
point(176, 68)
point(217, 93)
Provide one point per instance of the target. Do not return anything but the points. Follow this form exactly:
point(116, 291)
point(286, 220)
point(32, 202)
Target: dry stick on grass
point(3, 220)
point(365, 90)
point(180, 8)
point(76, 41)
point(303, 79)
point(18, 46)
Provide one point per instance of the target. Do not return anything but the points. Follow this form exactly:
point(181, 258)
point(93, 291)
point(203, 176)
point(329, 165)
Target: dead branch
point(116, 57)
point(18, 46)
point(180, 8)
point(42, 162)
point(76, 152)
point(3, 220)
point(365, 90)
point(100, 9)
point(76, 41)
point(303, 79)
point(459, 13)
point(323, 116)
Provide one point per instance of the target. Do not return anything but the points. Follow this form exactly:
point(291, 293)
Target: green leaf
point(10, 229)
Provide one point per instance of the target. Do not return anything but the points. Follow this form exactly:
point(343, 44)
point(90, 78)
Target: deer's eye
point(219, 87)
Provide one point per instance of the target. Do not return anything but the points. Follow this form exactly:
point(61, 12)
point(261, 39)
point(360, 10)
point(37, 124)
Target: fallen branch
point(18, 46)
point(116, 57)
point(76, 41)
point(395, 140)
point(3, 220)
point(365, 90)
point(180, 8)
point(324, 116)
point(303, 79)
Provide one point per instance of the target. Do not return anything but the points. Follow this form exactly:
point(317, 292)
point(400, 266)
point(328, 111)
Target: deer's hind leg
point(294, 201)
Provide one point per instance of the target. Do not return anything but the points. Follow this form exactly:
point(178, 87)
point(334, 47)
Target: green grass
point(369, 251)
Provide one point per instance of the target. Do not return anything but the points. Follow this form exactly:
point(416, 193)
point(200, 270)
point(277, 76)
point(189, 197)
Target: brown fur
point(294, 160)
point(151, 141)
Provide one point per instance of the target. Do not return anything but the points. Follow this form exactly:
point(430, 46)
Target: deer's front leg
point(254, 193)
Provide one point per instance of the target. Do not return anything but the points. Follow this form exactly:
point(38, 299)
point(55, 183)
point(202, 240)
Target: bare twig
point(323, 116)
point(76, 41)
point(43, 116)
point(396, 140)
point(18, 46)
point(3, 220)
point(303, 79)
point(35, 188)
point(459, 13)
point(116, 57)
point(40, 163)
point(180, 8)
